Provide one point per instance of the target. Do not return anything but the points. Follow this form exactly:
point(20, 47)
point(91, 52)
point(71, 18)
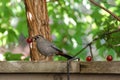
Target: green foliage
point(10, 56)
point(76, 23)
point(12, 21)
point(73, 23)
point(14, 56)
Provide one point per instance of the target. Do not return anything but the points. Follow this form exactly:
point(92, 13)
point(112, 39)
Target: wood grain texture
point(38, 23)
point(57, 70)
point(37, 67)
point(100, 67)
point(49, 76)
point(60, 67)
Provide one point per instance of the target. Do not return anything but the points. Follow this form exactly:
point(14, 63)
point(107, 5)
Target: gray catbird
point(47, 48)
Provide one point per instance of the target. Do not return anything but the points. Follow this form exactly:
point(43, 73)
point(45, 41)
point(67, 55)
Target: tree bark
point(38, 23)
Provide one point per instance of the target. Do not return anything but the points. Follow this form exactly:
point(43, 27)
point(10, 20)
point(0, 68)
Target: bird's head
point(37, 37)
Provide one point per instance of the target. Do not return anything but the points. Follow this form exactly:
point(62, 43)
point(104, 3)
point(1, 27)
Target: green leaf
point(10, 56)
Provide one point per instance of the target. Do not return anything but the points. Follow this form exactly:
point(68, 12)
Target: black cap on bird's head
point(36, 37)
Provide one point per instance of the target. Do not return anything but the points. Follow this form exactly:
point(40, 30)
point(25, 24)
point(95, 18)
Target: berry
point(88, 58)
point(29, 40)
point(109, 58)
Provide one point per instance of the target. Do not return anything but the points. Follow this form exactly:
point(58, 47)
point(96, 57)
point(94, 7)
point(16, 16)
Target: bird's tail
point(65, 55)
point(61, 53)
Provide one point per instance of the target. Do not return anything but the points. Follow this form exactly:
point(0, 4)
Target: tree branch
point(91, 53)
point(116, 17)
point(95, 39)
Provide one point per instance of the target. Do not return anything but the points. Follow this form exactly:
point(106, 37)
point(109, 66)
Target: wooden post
point(38, 23)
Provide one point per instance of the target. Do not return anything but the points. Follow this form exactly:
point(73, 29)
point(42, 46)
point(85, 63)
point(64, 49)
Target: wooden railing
point(58, 70)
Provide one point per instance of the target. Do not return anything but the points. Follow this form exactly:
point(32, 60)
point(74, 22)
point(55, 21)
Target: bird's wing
point(60, 52)
point(53, 46)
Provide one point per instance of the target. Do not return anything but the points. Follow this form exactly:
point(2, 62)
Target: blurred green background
point(73, 23)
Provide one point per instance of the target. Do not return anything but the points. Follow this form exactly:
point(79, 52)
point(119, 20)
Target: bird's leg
point(50, 58)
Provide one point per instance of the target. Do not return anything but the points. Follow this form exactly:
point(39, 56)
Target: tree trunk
point(38, 23)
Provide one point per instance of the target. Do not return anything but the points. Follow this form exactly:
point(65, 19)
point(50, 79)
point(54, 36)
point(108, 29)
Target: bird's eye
point(37, 37)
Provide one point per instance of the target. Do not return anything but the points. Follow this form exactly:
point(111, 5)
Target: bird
point(47, 48)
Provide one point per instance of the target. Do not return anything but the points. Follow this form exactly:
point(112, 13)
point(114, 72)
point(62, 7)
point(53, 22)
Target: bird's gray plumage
point(47, 48)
